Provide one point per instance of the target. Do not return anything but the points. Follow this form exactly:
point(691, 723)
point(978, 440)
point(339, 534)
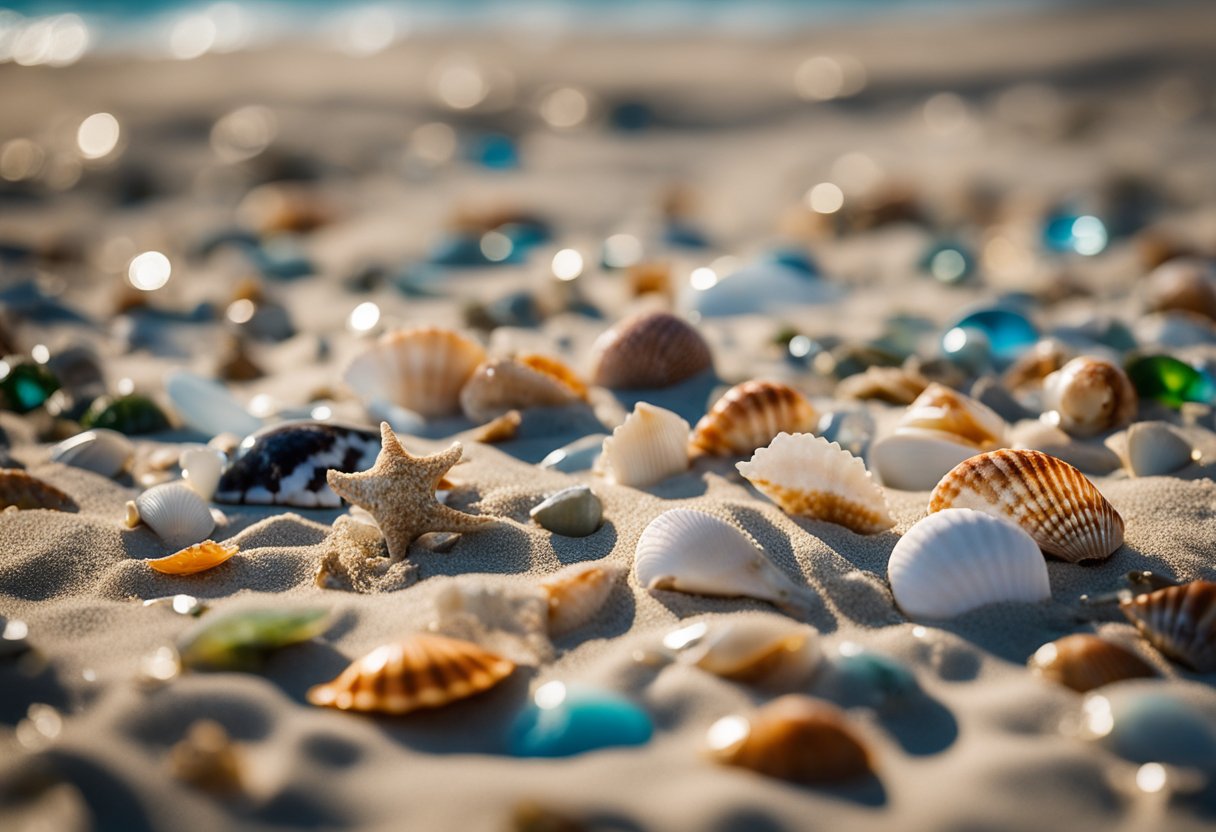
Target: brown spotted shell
point(1084, 662)
point(1090, 396)
point(504, 384)
point(649, 350)
point(749, 415)
point(20, 490)
point(1180, 621)
point(1052, 501)
point(422, 671)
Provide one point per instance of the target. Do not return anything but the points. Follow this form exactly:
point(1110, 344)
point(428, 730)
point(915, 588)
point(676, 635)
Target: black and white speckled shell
point(285, 464)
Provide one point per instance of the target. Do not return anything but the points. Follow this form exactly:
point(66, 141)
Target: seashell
point(1084, 662)
point(1028, 371)
point(794, 738)
point(202, 469)
point(1180, 621)
point(855, 676)
point(555, 369)
point(503, 384)
point(567, 719)
point(1063, 511)
point(1088, 396)
point(180, 604)
point(948, 411)
point(915, 460)
point(691, 551)
point(178, 515)
point(749, 415)
point(757, 648)
point(579, 455)
point(1146, 724)
point(14, 637)
point(573, 512)
point(208, 759)
point(648, 447)
point(102, 451)
point(1037, 435)
point(238, 640)
point(132, 414)
point(500, 429)
point(21, 491)
point(577, 593)
point(196, 558)
point(649, 350)
point(1182, 284)
point(421, 369)
point(894, 385)
point(1152, 449)
point(207, 406)
point(812, 477)
point(958, 560)
point(422, 671)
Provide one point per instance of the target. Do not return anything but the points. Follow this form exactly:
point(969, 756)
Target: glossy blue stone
point(565, 719)
point(795, 259)
point(683, 235)
point(1069, 233)
point(459, 251)
point(495, 151)
point(1008, 334)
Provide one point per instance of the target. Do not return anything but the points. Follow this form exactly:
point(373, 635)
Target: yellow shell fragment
point(197, 558)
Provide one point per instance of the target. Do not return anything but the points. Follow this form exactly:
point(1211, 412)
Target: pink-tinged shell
point(1180, 621)
point(749, 415)
point(1084, 662)
point(577, 593)
point(421, 369)
point(19, 489)
point(649, 351)
point(895, 385)
point(1090, 396)
point(500, 385)
point(1062, 510)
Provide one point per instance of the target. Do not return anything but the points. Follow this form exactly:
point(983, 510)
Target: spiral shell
point(577, 593)
point(1063, 511)
point(649, 350)
point(1090, 396)
point(22, 491)
point(1084, 662)
point(102, 451)
point(503, 384)
point(420, 369)
point(749, 415)
point(648, 447)
point(1180, 621)
point(178, 515)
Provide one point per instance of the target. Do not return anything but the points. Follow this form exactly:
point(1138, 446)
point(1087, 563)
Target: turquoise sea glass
point(565, 719)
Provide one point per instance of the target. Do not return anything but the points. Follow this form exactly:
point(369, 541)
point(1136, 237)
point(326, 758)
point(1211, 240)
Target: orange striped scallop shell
point(749, 415)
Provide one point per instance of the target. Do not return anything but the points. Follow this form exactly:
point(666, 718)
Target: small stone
point(1152, 449)
point(572, 512)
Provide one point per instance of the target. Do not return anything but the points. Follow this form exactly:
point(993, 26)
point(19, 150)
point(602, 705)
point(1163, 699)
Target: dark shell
point(18, 489)
point(133, 414)
point(649, 351)
point(1180, 621)
point(1084, 662)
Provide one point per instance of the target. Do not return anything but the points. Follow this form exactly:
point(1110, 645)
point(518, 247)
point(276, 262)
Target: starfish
point(399, 492)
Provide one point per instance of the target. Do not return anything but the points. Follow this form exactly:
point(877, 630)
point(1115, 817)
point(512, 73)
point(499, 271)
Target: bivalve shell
point(577, 593)
point(1152, 449)
point(207, 406)
point(649, 350)
point(102, 451)
point(940, 408)
point(1084, 662)
point(894, 385)
point(178, 515)
point(757, 648)
point(202, 468)
point(1180, 621)
point(503, 384)
point(1088, 396)
point(648, 447)
point(422, 370)
point(749, 415)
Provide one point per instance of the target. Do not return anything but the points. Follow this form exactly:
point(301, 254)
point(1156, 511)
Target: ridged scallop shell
point(197, 558)
point(1089, 396)
point(694, 552)
point(940, 408)
point(19, 489)
point(757, 648)
point(177, 514)
point(809, 476)
point(577, 593)
point(793, 738)
point(422, 671)
point(1084, 662)
point(648, 447)
point(421, 369)
point(102, 451)
point(895, 385)
point(958, 560)
point(202, 469)
point(749, 415)
point(1063, 511)
point(503, 384)
point(1180, 621)
point(649, 350)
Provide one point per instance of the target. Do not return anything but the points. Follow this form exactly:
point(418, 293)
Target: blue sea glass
point(1068, 233)
point(565, 719)
point(495, 151)
point(458, 251)
point(579, 455)
point(1170, 381)
point(1007, 334)
point(795, 259)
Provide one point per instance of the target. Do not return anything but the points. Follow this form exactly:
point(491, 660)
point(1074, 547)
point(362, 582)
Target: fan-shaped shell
point(577, 593)
point(177, 514)
point(1182, 284)
point(102, 451)
point(1063, 511)
point(503, 384)
point(422, 671)
point(757, 648)
point(19, 489)
point(958, 560)
point(1084, 662)
point(1180, 621)
point(749, 415)
point(421, 369)
point(812, 477)
point(940, 408)
point(648, 447)
point(649, 350)
point(196, 558)
point(1090, 396)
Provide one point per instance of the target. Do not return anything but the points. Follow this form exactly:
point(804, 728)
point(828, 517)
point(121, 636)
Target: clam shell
point(894, 385)
point(757, 648)
point(177, 514)
point(968, 421)
point(196, 558)
point(649, 350)
point(207, 406)
point(503, 384)
point(1180, 621)
point(809, 476)
point(422, 671)
point(421, 369)
point(694, 552)
point(573, 512)
point(577, 593)
point(749, 415)
point(1037, 435)
point(1066, 515)
point(958, 560)
point(648, 447)
point(202, 469)
point(1084, 662)
point(1152, 449)
point(19, 489)
point(102, 451)
point(914, 460)
point(1089, 396)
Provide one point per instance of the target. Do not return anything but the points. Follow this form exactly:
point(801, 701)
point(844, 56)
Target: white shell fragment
point(1152, 449)
point(178, 515)
point(758, 648)
point(207, 406)
point(201, 469)
point(102, 451)
point(648, 447)
point(577, 593)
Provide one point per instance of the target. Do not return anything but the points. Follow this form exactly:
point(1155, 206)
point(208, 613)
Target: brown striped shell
point(649, 350)
point(22, 491)
point(1062, 510)
point(1180, 621)
point(1084, 662)
point(1090, 396)
point(504, 384)
point(422, 671)
point(749, 415)
point(942, 409)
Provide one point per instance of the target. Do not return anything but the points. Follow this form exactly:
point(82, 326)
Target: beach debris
point(197, 558)
point(1183, 284)
point(690, 551)
point(572, 512)
point(22, 491)
point(1003, 333)
point(579, 455)
point(14, 637)
point(1084, 662)
point(855, 676)
point(181, 604)
point(809, 476)
point(564, 719)
point(503, 384)
point(647, 448)
point(958, 560)
point(202, 468)
point(499, 429)
point(749, 415)
point(577, 593)
point(422, 370)
point(1088, 396)
point(512, 621)
point(208, 759)
point(239, 640)
point(1180, 621)
point(1170, 381)
point(1062, 510)
point(177, 514)
point(1149, 725)
point(206, 406)
point(421, 671)
point(132, 414)
point(649, 350)
point(1152, 449)
point(894, 385)
point(104, 452)
point(356, 559)
point(756, 648)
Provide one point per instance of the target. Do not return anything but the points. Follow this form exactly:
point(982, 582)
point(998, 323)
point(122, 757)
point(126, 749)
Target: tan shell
point(423, 671)
point(894, 385)
point(749, 415)
point(1180, 621)
point(939, 408)
point(422, 370)
point(649, 350)
point(504, 384)
point(1084, 662)
point(1090, 396)
point(1034, 365)
point(648, 447)
point(500, 429)
point(1063, 511)
point(757, 648)
point(18, 489)
point(208, 759)
point(1183, 284)
point(577, 593)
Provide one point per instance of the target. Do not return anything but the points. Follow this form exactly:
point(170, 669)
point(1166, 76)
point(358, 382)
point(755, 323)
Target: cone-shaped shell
point(178, 515)
point(1180, 621)
point(422, 671)
point(647, 351)
point(958, 560)
point(421, 369)
point(648, 447)
point(196, 558)
point(19, 489)
point(503, 384)
point(1090, 396)
point(809, 476)
point(102, 451)
point(1084, 662)
point(1063, 511)
point(757, 648)
point(577, 593)
point(968, 421)
point(749, 415)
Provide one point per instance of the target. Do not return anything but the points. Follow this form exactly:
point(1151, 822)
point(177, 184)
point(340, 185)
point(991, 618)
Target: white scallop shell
point(914, 460)
point(420, 369)
point(648, 447)
point(207, 406)
point(694, 552)
point(757, 647)
point(178, 515)
point(957, 560)
point(201, 469)
point(102, 451)
point(1152, 449)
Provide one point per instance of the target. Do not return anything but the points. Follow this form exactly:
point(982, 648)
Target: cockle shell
point(196, 558)
point(202, 468)
point(177, 514)
point(648, 447)
point(577, 593)
point(749, 415)
point(22, 491)
point(421, 369)
point(649, 350)
point(1063, 511)
point(503, 384)
point(757, 648)
point(691, 551)
point(1180, 621)
point(102, 451)
point(809, 476)
point(940, 408)
point(895, 385)
point(1088, 396)
point(1084, 662)
point(958, 560)
point(793, 738)
point(422, 671)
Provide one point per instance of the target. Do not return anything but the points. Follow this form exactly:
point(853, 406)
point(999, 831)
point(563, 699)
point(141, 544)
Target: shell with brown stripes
point(749, 415)
point(1062, 510)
